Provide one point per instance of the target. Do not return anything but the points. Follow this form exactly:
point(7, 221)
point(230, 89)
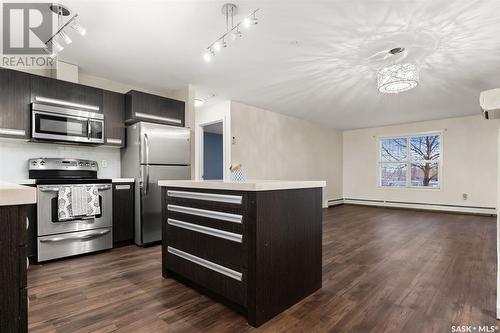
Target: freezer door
point(150, 194)
point(163, 144)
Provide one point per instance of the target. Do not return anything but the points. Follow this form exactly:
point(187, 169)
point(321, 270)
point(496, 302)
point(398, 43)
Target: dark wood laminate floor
point(384, 270)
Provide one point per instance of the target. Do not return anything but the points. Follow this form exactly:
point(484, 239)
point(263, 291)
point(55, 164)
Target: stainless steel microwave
point(66, 124)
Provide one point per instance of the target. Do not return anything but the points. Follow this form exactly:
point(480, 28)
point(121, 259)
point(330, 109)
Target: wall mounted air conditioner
point(490, 103)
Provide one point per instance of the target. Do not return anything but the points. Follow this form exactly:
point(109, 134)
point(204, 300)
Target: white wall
point(469, 163)
point(274, 146)
point(14, 155)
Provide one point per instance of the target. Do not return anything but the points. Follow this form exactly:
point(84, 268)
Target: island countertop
point(249, 185)
point(14, 194)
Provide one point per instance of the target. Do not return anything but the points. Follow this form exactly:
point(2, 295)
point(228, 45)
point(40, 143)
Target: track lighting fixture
point(229, 10)
point(61, 34)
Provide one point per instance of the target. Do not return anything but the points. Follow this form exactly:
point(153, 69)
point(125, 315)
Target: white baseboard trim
point(414, 205)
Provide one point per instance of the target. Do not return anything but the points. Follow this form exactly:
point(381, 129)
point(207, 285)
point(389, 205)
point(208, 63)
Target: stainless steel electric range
point(62, 238)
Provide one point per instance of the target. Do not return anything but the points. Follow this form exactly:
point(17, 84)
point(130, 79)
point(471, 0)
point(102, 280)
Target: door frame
point(212, 115)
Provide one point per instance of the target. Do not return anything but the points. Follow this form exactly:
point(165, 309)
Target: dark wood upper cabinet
point(146, 107)
point(14, 104)
point(66, 91)
point(113, 106)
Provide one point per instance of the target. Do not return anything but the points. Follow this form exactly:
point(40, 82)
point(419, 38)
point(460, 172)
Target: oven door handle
point(56, 189)
point(73, 238)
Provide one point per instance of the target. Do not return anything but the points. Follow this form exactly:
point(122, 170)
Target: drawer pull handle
point(11, 131)
point(114, 141)
point(206, 230)
point(235, 218)
point(122, 187)
point(234, 199)
point(27, 223)
point(207, 264)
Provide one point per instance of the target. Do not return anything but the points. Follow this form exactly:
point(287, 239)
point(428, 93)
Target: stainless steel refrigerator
point(154, 152)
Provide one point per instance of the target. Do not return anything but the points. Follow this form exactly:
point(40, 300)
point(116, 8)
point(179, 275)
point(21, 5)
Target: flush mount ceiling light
point(233, 31)
point(54, 44)
point(199, 102)
point(397, 78)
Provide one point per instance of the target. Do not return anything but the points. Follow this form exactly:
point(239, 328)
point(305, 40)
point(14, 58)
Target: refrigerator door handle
point(146, 146)
point(146, 185)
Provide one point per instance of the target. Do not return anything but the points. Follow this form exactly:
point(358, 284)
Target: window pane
point(393, 174)
point(425, 174)
point(427, 147)
point(393, 150)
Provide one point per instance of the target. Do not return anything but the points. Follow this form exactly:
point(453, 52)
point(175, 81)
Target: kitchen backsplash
point(14, 155)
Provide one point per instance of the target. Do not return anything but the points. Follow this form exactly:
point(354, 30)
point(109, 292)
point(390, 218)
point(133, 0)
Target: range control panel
point(61, 164)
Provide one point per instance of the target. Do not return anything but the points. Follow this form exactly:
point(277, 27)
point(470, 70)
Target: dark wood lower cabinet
point(267, 261)
point(13, 269)
point(123, 214)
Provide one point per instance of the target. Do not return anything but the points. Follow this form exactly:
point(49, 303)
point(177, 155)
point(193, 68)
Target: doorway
point(213, 151)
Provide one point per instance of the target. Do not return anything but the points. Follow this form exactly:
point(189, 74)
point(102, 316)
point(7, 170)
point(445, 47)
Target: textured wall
point(274, 146)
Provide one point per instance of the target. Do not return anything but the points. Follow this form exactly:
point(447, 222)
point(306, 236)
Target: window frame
point(408, 162)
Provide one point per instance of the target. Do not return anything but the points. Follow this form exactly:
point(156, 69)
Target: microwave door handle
point(89, 128)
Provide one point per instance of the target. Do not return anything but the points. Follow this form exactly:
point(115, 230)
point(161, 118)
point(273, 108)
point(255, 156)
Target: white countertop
point(249, 185)
point(123, 180)
point(14, 194)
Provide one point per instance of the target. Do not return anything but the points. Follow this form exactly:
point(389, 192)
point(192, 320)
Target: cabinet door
point(66, 91)
point(146, 107)
point(14, 104)
point(123, 213)
point(113, 106)
point(10, 272)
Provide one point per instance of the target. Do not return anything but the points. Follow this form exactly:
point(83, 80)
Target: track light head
point(216, 46)
point(56, 47)
point(65, 38)
point(81, 30)
point(207, 56)
point(246, 22)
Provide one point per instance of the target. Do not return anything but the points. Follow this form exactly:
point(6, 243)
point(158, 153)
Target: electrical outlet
point(104, 163)
point(464, 196)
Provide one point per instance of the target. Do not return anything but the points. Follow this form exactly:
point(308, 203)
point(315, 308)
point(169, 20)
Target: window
point(410, 161)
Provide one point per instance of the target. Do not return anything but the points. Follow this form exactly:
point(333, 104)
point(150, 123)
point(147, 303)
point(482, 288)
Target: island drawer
point(220, 246)
point(228, 220)
point(207, 198)
point(222, 280)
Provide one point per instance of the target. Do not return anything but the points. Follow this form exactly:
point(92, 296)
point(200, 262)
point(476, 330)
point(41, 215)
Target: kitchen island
point(254, 245)
point(14, 223)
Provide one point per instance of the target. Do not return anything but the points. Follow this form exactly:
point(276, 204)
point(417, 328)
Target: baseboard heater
point(416, 205)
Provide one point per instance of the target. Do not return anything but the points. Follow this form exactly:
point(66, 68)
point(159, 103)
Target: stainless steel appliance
point(62, 121)
point(58, 239)
point(154, 152)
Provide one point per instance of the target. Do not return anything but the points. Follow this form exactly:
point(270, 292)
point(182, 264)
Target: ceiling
point(310, 59)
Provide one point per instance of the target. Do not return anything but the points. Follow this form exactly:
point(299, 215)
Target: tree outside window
point(412, 161)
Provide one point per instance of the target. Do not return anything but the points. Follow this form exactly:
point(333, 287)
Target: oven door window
point(60, 125)
point(55, 216)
